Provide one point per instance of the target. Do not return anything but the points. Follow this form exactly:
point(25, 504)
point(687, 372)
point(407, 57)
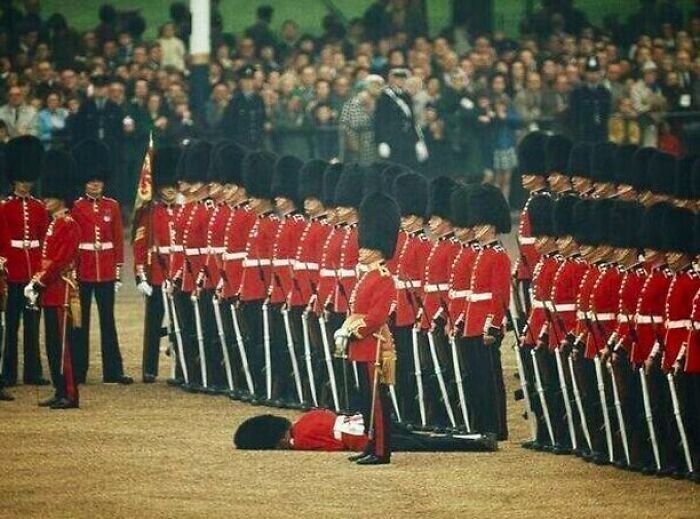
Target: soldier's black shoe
point(123, 380)
point(49, 401)
point(189, 387)
point(560, 450)
point(149, 379)
point(234, 394)
point(371, 459)
point(245, 397)
point(359, 456)
point(5, 396)
point(65, 403)
point(530, 445)
point(174, 382)
point(694, 476)
point(620, 464)
point(678, 473)
point(599, 458)
point(634, 467)
point(37, 382)
point(209, 390)
point(649, 470)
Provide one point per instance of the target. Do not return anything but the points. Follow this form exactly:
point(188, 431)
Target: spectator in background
point(261, 33)
point(289, 122)
point(20, 118)
point(648, 101)
point(356, 133)
point(555, 106)
point(590, 106)
point(623, 126)
point(52, 120)
point(216, 106)
point(613, 82)
point(244, 118)
point(172, 47)
point(505, 122)
point(528, 102)
point(326, 132)
point(439, 153)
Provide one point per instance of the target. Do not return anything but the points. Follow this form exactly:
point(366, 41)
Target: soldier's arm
point(140, 246)
point(500, 289)
point(68, 238)
point(382, 300)
point(118, 236)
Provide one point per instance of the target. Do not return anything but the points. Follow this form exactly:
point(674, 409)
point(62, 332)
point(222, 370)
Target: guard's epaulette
point(384, 271)
point(109, 199)
point(423, 236)
point(298, 217)
point(497, 246)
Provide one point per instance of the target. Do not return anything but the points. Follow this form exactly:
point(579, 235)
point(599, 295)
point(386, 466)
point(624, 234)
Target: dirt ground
point(153, 451)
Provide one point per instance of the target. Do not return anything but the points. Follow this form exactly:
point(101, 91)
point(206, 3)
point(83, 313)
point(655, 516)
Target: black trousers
point(185, 313)
point(435, 406)
point(380, 443)
point(152, 331)
point(251, 322)
point(216, 376)
point(58, 352)
point(406, 389)
point(112, 365)
point(487, 388)
point(17, 310)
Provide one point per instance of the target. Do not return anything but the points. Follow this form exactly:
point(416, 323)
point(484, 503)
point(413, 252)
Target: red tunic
point(372, 297)
point(692, 357)
point(284, 249)
point(528, 258)
point(155, 229)
point(216, 237)
point(330, 257)
point(255, 278)
point(307, 261)
point(59, 254)
point(460, 279)
point(236, 231)
point(490, 290)
point(677, 313)
point(192, 229)
point(565, 288)
point(102, 238)
point(409, 264)
point(630, 290)
point(541, 290)
point(393, 263)
point(603, 307)
point(346, 270)
point(436, 276)
point(650, 311)
point(583, 301)
point(323, 430)
point(25, 221)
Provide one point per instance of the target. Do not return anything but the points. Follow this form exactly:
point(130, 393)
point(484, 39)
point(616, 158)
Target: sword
point(241, 349)
point(171, 332)
point(601, 393)
point(395, 403)
point(543, 398)
point(679, 421)
point(307, 353)
point(200, 339)
point(649, 417)
point(419, 374)
point(618, 410)
point(438, 372)
point(292, 353)
point(579, 403)
point(178, 340)
point(329, 360)
point(460, 386)
point(222, 339)
point(266, 346)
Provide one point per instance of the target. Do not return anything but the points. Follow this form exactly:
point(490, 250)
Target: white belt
point(24, 244)
point(302, 265)
point(350, 425)
point(341, 273)
point(581, 315)
point(484, 296)
point(648, 319)
point(176, 248)
point(526, 240)
point(256, 262)
point(436, 287)
point(695, 325)
point(605, 317)
point(683, 323)
point(194, 251)
point(565, 307)
point(282, 262)
point(549, 305)
point(105, 245)
point(623, 318)
point(228, 256)
point(458, 294)
point(163, 250)
point(537, 304)
point(406, 284)
point(217, 250)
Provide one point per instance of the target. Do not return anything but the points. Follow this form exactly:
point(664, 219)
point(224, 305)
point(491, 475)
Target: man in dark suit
point(244, 118)
point(590, 105)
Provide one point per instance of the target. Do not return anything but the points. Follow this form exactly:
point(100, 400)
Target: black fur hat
point(662, 168)
point(676, 224)
point(557, 151)
point(696, 234)
point(459, 203)
point(228, 162)
point(695, 179)
point(563, 216)
point(531, 154)
point(389, 176)
point(603, 162)
point(379, 224)
point(348, 191)
point(197, 161)
point(411, 193)
point(93, 160)
point(213, 173)
point(624, 172)
point(682, 188)
point(540, 210)
point(439, 193)
point(624, 224)
point(24, 159)
point(652, 231)
point(580, 160)
point(258, 168)
point(487, 206)
point(58, 176)
point(330, 182)
point(311, 179)
point(164, 166)
point(580, 217)
point(262, 432)
point(285, 181)
point(599, 220)
point(641, 160)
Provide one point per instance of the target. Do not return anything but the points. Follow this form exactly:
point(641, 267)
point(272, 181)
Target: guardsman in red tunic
point(413, 247)
point(487, 304)
point(531, 162)
point(305, 275)
point(101, 260)
point(365, 332)
point(258, 169)
point(25, 221)
point(286, 336)
point(54, 285)
point(152, 248)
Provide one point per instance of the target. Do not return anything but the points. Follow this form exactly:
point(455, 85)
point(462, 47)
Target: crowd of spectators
point(474, 95)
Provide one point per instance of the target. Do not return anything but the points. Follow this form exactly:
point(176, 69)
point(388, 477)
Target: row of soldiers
point(43, 269)
point(609, 355)
point(254, 263)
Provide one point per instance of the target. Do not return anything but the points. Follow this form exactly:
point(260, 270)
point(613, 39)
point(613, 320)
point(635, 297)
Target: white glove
point(466, 103)
point(144, 289)
point(31, 294)
point(421, 151)
point(117, 286)
point(340, 338)
point(384, 150)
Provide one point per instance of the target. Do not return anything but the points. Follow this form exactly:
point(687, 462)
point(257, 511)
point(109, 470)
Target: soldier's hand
point(384, 150)
point(31, 294)
point(169, 287)
point(648, 365)
point(421, 151)
point(489, 340)
point(677, 368)
point(117, 286)
point(145, 289)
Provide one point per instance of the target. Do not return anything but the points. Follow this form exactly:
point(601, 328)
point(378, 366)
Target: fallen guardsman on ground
point(323, 430)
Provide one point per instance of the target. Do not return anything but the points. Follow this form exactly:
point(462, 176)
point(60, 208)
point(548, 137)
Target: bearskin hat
point(459, 204)
point(624, 172)
point(540, 211)
point(675, 226)
point(228, 162)
point(23, 159)
point(603, 162)
point(696, 234)
point(599, 220)
point(641, 160)
point(285, 181)
point(557, 151)
point(213, 173)
point(311, 179)
point(651, 231)
point(379, 224)
point(93, 160)
point(662, 167)
point(330, 181)
point(164, 166)
point(487, 206)
point(389, 176)
point(411, 193)
point(580, 160)
point(262, 432)
point(563, 216)
point(531, 154)
point(258, 169)
point(580, 216)
point(58, 175)
point(682, 188)
point(196, 161)
point(624, 224)
point(348, 191)
point(695, 179)
point(439, 193)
